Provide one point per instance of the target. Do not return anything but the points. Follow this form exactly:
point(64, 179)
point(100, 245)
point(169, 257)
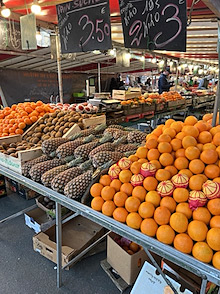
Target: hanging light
point(96, 51)
point(112, 52)
point(5, 12)
point(154, 60)
point(142, 58)
point(38, 35)
point(128, 55)
point(35, 7)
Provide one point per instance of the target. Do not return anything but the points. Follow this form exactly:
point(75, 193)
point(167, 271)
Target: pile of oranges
point(190, 148)
point(14, 119)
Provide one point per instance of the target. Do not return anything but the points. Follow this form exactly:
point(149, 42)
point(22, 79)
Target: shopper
point(163, 84)
point(204, 83)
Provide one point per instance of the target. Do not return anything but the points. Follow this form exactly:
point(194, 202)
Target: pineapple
point(28, 165)
point(60, 180)
point(93, 130)
point(116, 127)
point(39, 169)
point(116, 133)
point(50, 145)
point(104, 156)
point(68, 148)
point(48, 176)
point(136, 137)
point(77, 187)
point(126, 147)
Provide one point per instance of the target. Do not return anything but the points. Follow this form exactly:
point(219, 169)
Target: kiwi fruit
point(11, 150)
point(36, 140)
point(58, 135)
point(54, 114)
point(81, 125)
point(65, 130)
point(80, 119)
point(62, 123)
point(19, 148)
point(66, 125)
point(60, 114)
point(56, 128)
point(51, 128)
point(46, 130)
point(61, 129)
point(50, 119)
point(37, 130)
point(54, 121)
point(38, 135)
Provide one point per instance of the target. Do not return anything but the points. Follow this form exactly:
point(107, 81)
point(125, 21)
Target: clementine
point(197, 230)
point(146, 210)
point(202, 252)
point(162, 215)
point(134, 220)
point(165, 234)
point(183, 243)
point(153, 197)
point(149, 227)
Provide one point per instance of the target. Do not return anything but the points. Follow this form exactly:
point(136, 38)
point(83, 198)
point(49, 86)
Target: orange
point(134, 220)
point(213, 238)
point(192, 152)
point(165, 234)
point(162, 175)
point(180, 195)
point(105, 180)
point(142, 160)
point(202, 252)
point(207, 116)
point(209, 146)
point(212, 171)
point(116, 184)
point(156, 163)
point(135, 167)
point(132, 204)
point(169, 122)
point(153, 197)
point(176, 144)
point(201, 126)
point(22, 125)
point(183, 243)
point(214, 206)
point(181, 163)
point(96, 189)
point(196, 166)
point(190, 131)
point(218, 151)
point(146, 210)
point(216, 139)
point(139, 192)
point(190, 120)
point(180, 135)
point(180, 153)
point(200, 147)
point(107, 193)
point(205, 137)
point(150, 183)
point(162, 215)
point(173, 171)
point(166, 159)
point(127, 188)
point(149, 227)
point(151, 143)
point(202, 214)
point(179, 222)
point(209, 156)
point(197, 230)
point(125, 176)
point(170, 132)
point(133, 158)
point(169, 203)
point(215, 222)
point(164, 138)
point(164, 147)
point(188, 141)
point(153, 154)
point(120, 198)
point(108, 207)
point(157, 131)
point(196, 182)
point(142, 152)
point(176, 125)
point(216, 260)
point(97, 203)
point(120, 214)
point(217, 180)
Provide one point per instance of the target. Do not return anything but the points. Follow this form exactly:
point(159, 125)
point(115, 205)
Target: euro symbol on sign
point(103, 10)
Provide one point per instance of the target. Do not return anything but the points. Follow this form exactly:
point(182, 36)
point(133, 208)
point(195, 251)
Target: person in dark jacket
point(163, 84)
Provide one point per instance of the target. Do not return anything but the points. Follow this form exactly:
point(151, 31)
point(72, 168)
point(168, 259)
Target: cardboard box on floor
point(77, 234)
point(128, 266)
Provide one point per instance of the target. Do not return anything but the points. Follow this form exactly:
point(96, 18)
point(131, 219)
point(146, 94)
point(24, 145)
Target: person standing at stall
point(163, 84)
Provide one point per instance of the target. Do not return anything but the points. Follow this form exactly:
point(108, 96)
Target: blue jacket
point(163, 84)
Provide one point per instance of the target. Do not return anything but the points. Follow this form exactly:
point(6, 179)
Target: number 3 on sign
point(173, 18)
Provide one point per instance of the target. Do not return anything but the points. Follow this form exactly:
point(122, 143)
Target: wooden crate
point(94, 120)
point(13, 163)
point(125, 95)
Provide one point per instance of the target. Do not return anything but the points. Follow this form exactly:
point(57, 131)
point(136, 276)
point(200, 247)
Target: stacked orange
point(14, 119)
point(191, 148)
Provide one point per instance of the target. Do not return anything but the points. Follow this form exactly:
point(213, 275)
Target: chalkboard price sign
point(154, 24)
point(84, 25)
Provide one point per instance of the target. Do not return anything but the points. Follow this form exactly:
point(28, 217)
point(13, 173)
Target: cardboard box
point(38, 220)
point(77, 234)
point(50, 212)
point(128, 266)
point(20, 189)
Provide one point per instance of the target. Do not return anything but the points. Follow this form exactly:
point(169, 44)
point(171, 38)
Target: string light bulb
point(154, 60)
point(5, 12)
point(112, 52)
point(35, 7)
point(142, 58)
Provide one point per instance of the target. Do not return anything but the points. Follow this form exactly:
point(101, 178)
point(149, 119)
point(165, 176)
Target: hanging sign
point(84, 25)
point(154, 24)
point(10, 35)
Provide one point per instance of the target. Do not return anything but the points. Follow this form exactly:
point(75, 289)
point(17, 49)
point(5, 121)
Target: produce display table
point(205, 271)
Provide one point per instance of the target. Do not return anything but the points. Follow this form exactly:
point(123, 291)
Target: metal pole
point(217, 98)
point(59, 244)
point(60, 81)
point(99, 77)
point(203, 286)
point(177, 75)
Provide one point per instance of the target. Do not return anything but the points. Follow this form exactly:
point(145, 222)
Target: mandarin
point(165, 234)
point(183, 243)
point(149, 227)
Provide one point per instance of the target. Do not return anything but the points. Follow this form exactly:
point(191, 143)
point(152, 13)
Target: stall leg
point(160, 270)
point(203, 286)
point(59, 244)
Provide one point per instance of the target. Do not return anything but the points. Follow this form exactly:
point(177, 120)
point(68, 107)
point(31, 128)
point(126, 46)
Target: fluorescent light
point(5, 12)
point(35, 7)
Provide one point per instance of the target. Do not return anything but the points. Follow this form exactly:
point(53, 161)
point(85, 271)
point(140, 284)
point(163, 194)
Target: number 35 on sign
point(154, 24)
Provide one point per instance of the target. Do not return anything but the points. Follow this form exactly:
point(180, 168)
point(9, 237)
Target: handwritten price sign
point(84, 25)
point(154, 24)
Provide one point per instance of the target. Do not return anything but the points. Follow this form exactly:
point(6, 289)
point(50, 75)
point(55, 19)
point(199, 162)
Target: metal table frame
point(205, 271)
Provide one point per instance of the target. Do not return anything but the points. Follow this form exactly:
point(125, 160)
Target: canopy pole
point(177, 75)
point(99, 77)
point(60, 81)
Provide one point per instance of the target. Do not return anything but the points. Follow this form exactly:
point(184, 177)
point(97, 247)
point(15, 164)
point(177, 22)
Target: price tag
point(84, 25)
point(154, 24)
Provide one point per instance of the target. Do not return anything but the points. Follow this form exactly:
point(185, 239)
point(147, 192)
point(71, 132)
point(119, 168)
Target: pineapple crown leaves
point(127, 154)
point(74, 162)
point(53, 154)
point(86, 165)
point(68, 158)
point(88, 139)
point(101, 168)
point(105, 139)
point(100, 128)
point(76, 136)
point(128, 129)
point(119, 141)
